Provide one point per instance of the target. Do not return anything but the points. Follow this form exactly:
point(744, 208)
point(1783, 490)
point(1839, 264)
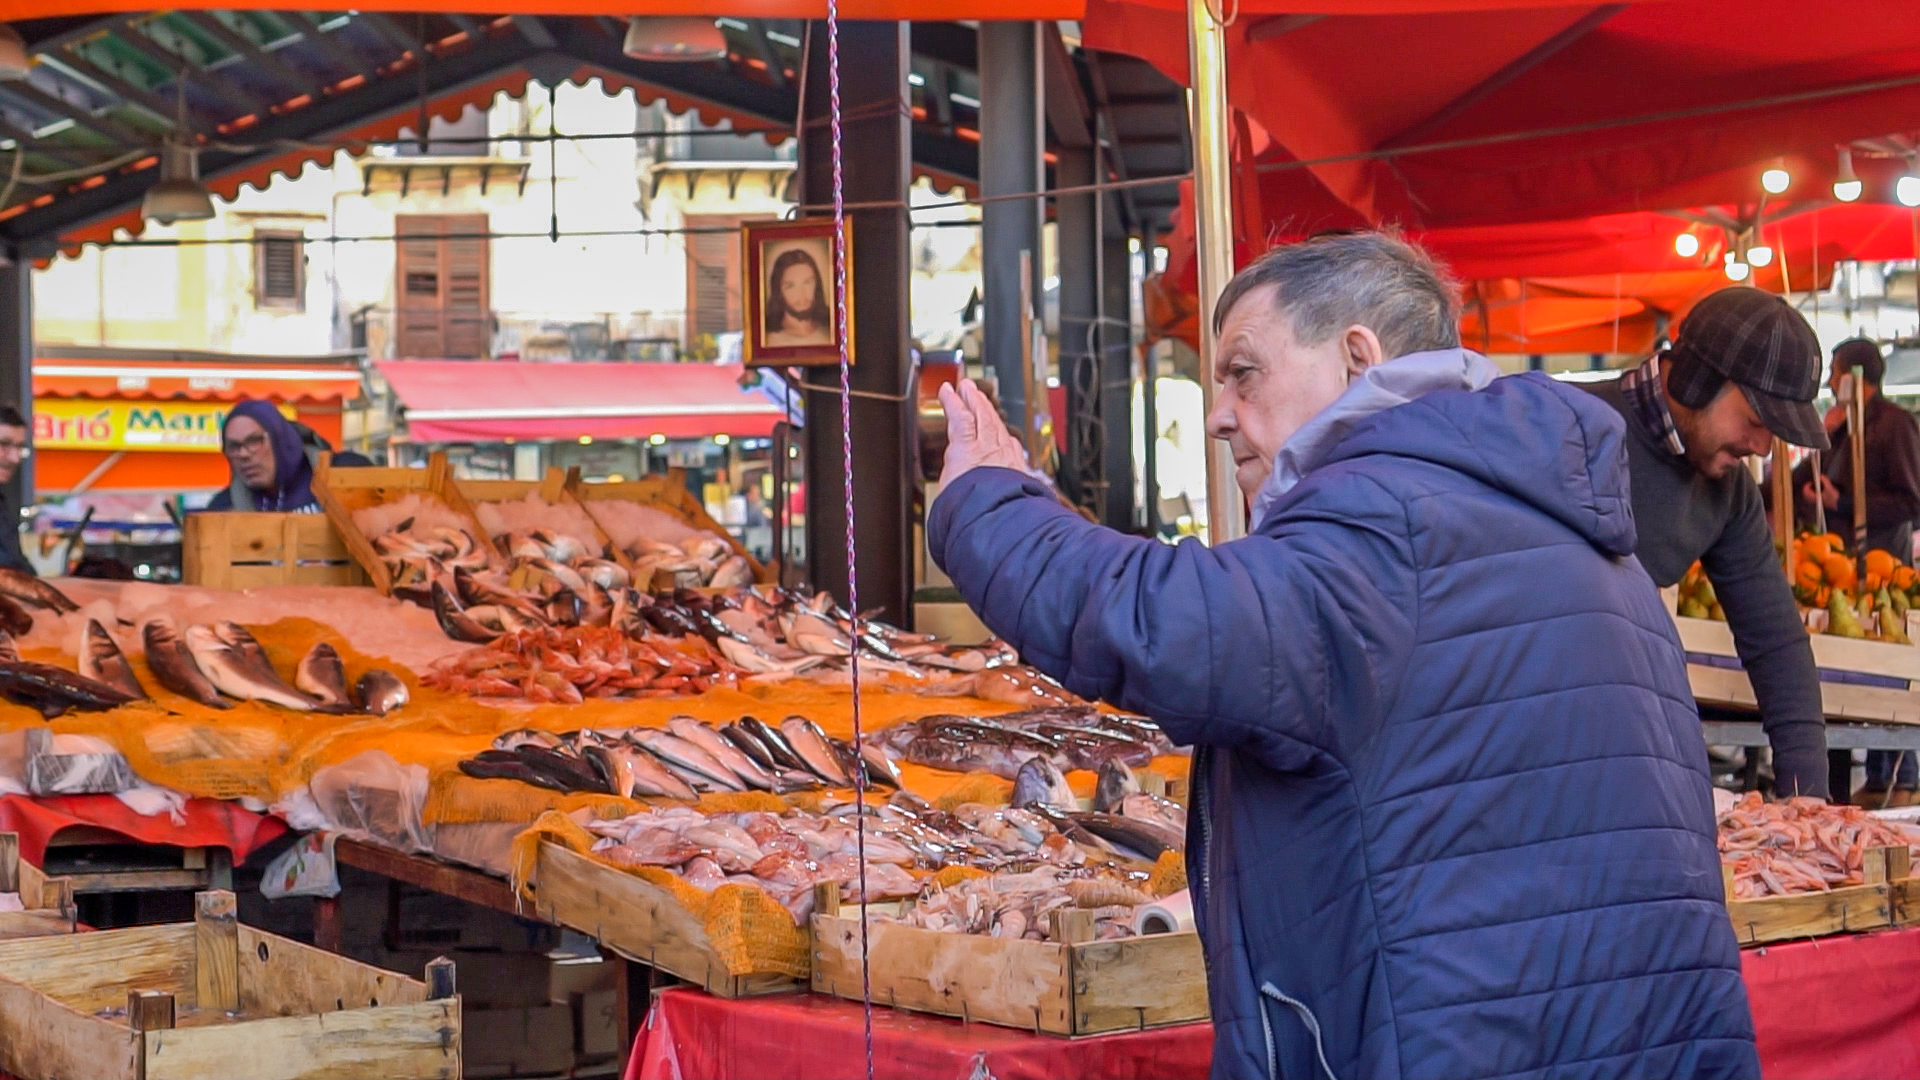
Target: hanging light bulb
point(1846, 186)
point(1759, 255)
point(14, 61)
point(674, 37)
point(1686, 245)
point(1737, 270)
point(179, 196)
point(1775, 179)
point(1907, 188)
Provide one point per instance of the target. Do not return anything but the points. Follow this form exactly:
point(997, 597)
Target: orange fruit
point(1838, 571)
point(1880, 564)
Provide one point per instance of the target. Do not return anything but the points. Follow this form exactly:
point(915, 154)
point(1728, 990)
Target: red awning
point(319, 379)
point(498, 400)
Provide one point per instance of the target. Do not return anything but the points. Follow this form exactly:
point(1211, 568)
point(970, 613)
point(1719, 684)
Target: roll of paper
point(1170, 914)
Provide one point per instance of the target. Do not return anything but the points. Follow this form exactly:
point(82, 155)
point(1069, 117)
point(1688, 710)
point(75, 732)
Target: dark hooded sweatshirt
point(292, 464)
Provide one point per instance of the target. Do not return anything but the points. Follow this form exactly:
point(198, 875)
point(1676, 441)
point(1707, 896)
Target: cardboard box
point(580, 975)
point(535, 1041)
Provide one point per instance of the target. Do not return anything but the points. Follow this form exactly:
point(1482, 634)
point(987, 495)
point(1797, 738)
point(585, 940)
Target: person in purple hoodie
point(271, 459)
point(1450, 802)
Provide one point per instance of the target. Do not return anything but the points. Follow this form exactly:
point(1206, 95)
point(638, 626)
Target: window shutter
point(713, 278)
point(441, 293)
point(279, 271)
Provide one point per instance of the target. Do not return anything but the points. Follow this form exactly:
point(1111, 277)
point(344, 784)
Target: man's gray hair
point(1370, 279)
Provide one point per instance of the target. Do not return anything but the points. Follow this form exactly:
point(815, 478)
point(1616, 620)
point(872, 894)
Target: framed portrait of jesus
point(789, 294)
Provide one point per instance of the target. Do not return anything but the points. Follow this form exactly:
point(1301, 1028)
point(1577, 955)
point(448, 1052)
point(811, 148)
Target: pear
point(1893, 627)
point(1841, 621)
point(1703, 591)
point(1692, 609)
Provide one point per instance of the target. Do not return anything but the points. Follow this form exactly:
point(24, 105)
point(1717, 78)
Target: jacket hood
point(1552, 446)
point(292, 471)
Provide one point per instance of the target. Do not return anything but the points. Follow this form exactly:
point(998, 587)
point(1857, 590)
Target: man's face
point(1269, 385)
point(250, 453)
point(13, 450)
point(1721, 435)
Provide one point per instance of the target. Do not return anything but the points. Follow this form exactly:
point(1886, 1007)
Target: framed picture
point(789, 292)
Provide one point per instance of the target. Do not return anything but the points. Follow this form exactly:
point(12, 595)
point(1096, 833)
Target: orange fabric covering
point(197, 380)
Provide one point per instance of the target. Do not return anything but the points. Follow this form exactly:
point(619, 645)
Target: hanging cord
point(846, 470)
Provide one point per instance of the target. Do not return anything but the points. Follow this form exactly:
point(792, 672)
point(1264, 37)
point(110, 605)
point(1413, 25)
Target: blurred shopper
point(13, 451)
point(1892, 459)
point(1451, 805)
point(271, 459)
point(1744, 368)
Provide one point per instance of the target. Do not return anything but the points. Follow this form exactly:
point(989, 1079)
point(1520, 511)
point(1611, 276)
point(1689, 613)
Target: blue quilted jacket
point(1451, 809)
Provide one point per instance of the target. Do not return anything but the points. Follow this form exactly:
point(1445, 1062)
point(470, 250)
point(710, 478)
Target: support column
point(1082, 480)
point(16, 359)
point(1118, 367)
point(876, 145)
point(1010, 164)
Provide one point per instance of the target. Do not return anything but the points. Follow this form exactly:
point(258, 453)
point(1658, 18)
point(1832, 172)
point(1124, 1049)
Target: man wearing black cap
point(1892, 458)
point(1744, 368)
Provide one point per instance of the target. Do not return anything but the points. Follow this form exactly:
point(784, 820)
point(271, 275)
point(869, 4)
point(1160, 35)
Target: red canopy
point(497, 401)
point(1455, 117)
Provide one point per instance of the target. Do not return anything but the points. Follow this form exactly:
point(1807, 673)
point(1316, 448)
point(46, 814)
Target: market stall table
point(1838, 1006)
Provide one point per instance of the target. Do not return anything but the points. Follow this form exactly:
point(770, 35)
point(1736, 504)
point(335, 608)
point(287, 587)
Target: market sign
point(86, 424)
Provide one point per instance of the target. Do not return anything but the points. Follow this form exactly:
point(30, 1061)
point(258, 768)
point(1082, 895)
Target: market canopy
point(166, 374)
point(464, 401)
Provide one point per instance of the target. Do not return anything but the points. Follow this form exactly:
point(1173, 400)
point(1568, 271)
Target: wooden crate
point(212, 1000)
point(638, 920)
point(342, 491)
point(247, 550)
point(1051, 987)
point(666, 491)
point(1871, 906)
point(48, 901)
point(553, 489)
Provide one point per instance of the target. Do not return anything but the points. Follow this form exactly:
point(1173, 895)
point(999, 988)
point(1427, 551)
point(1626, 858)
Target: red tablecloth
point(210, 823)
point(1840, 1006)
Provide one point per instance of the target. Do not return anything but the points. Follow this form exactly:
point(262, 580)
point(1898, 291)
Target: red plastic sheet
point(1839, 1006)
point(814, 1037)
point(210, 823)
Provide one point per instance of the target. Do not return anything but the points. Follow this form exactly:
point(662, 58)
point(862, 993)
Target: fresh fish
point(678, 753)
point(727, 754)
point(1039, 783)
point(567, 577)
point(960, 744)
point(1147, 838)
point(1154, 809)
point(1115, 782)
point(614, 771)
point(880, 768)
point(503, 765)
point(777, 746)
point(54, 690)
point(102, 661)
point(454, 621)
point(173, 666)
point(519, 737)
point(650, 777)
point(1088, 748)
point(380, 692)
point(14, 619)
point(732, 572)
point(323, 676)
point(747, 744)
point(567, 771)
point(227, 668)
point(811, 744)
point(33, 592)
point(9, 649)
point(566, 608)
point(255, 657)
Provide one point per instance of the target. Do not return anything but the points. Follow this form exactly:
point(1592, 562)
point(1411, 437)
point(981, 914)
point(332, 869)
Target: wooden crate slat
point(240, 550)
point(639, 920)
point(342, 491)
point(1139, 982)
point(666, 492)
point(395, 1042)
point(553, 489)
point(77, 970)
point(280, 977)
point(40, 1036)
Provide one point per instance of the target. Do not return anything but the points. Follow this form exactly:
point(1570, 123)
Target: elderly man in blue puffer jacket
point(1451, 807)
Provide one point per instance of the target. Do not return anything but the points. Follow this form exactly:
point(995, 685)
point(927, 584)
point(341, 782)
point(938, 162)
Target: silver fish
point(650, 777)
point(679, 754)
point(227, 668)
point(33, 592)
point(1040, 783)
point(808, 741)
point(323, 676)
point(519, 737)
point(255, 656)
point(380, 692)
point(1116, 782)
point(717, 746)
point(102, 661)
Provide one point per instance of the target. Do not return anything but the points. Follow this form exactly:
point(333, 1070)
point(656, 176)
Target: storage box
point(1884, 900)
point(535, 1040)
point(553, 490)
point(669, 493)
point(1051, 987)
point(342, 491)
point(249, 550)
point(47, 902)
point(214, 1000)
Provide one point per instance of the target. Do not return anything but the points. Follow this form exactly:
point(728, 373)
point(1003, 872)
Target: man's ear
point(1360, 348)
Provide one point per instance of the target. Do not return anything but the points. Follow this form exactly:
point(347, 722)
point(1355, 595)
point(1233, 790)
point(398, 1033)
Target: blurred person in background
point(272, 460)
point(13, 451)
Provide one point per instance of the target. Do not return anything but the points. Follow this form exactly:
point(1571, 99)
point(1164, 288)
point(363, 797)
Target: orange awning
point(197, 380)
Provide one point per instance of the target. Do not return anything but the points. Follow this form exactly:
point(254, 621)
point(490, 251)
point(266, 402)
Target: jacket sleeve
point(1773, 645)
point(222, 500)
point(1280, 645)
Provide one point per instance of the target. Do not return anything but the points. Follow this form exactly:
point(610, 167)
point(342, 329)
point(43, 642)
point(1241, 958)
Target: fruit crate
point(245, 550)
point(1885, 899)
point(1069, 985)
point(214, 1000)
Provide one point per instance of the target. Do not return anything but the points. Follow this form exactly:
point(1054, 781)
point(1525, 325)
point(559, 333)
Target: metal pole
point(1213, 235)
point(16, 359)
point(1012, 133)
point(1857, 447)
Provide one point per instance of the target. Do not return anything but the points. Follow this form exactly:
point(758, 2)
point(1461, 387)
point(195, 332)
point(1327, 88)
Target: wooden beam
point(535, 31)
point(1067, 112)
point(245, 47)
point(327, 43)
point(106, 128)
point(216, 951)
point(70, 64)
point(245, 101)
point(1522, 64)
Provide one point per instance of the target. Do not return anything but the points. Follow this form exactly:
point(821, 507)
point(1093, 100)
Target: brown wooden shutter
point(279, 271)
point(713, 278)
point(442, 290)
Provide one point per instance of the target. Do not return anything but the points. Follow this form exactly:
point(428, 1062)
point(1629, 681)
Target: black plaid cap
point(1760, 342)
